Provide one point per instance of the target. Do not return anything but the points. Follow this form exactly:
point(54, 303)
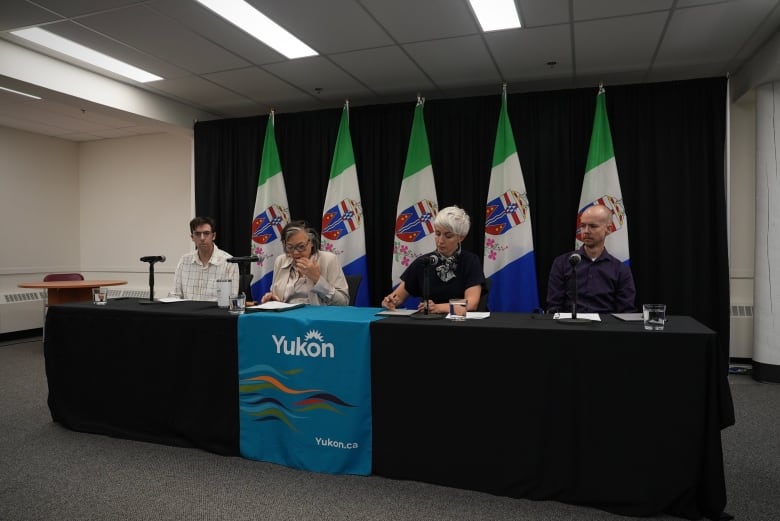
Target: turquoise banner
point(305, 388)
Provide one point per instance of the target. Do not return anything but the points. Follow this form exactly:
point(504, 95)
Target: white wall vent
point(741, 331)
point(26, 296)
point(21, 310)
point(132, 293)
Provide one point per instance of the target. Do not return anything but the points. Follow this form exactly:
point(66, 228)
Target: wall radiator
point(23, 310)
point(741, 331)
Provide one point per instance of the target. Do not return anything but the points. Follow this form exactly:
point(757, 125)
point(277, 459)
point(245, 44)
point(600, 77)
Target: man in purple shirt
point(604, 284)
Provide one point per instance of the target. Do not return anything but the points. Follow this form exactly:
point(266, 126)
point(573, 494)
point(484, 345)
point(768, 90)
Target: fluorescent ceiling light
point(249, 19)
point(20, 93)
point(85, 54)
point(495, 15)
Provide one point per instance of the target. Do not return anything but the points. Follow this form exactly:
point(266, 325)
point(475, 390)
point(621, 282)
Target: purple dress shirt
point(604, 285)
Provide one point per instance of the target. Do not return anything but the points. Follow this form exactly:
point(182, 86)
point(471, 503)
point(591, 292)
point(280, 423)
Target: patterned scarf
point(447, 266)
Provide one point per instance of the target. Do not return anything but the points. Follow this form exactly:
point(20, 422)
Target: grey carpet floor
point(51, 473)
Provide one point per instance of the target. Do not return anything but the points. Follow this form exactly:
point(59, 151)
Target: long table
point(605, 415)
point(162, 373)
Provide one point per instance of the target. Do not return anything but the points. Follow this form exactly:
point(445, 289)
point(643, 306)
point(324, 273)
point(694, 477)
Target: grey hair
point(294, 227)
point(454, 219)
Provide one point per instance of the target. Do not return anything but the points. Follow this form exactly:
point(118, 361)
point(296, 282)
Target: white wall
point(94, 207)
point(137, 199)
point(39, 204)
point(742, 198)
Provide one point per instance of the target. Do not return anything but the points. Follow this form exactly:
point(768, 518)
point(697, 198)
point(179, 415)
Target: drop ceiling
point(370, 52)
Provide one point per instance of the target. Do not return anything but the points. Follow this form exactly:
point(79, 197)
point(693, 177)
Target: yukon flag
point(343, 228)
point(509, 262)
point(271, 215)
point(602, 185)
point(417, 204)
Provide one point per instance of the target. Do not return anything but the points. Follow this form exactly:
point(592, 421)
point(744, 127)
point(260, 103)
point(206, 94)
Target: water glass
point(100, 296)
point(654, 316)
point(237, 304)
point(458, 307)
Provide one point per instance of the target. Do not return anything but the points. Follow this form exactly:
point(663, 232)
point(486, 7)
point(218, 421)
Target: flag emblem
point(616, 207)
point(505, 212)
point(341, 219)
point(267, 226)
point(416, 222)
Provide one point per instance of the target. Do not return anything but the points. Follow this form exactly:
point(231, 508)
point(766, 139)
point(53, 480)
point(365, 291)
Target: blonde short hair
point(454, 219)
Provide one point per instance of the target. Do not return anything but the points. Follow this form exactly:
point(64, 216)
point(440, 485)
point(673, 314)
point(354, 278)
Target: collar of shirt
point(215, 259)
point(604, 255)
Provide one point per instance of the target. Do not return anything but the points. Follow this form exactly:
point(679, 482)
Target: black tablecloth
point(163, 373)
point(606, 414)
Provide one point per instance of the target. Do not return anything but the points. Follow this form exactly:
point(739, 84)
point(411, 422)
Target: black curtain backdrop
point(669, 140)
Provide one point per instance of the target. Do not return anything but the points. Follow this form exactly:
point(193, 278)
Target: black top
point(468, 273)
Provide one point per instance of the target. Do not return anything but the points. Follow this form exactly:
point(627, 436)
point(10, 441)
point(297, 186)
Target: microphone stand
point(574, 320)
point(426, 290)
point(244, 274)
point(151, 285)
point(426, 315)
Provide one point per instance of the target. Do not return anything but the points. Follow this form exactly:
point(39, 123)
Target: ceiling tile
point(17, 14)
point(517, 52)
point(117, 50)
point(315, 73)
point(314, 22)
point(626, 43)
point(416, 21)
point(455, 62)
point(72, 8)
point(712, 28)
point(396, 73)
point(202, 21)
point(591, 9)
point(535, 14)
point(259, 85)
point(165, 38)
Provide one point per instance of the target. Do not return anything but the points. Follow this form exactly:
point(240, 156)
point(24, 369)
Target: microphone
point(574, 259)
point(248, 258)
point(153, 258)
point(432, 260)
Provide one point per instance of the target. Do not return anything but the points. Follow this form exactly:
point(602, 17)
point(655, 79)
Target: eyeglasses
point(201, 234)
point(300, 247)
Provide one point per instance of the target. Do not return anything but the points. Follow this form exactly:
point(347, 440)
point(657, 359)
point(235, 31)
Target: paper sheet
point(275, 305)
point(397, 312)
point(590, 316)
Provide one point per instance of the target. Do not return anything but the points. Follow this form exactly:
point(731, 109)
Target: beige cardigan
point(331, 289)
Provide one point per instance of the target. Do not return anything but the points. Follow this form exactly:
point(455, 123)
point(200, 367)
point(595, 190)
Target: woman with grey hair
point(456, 274)
point(306, 274)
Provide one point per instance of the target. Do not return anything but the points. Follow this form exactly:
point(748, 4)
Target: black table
point(606, 415)
point(162, 373)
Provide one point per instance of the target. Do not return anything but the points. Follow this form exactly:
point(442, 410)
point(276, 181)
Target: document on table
point(396, 312)
point(590, 316)
point(275, 305)
point(171, 299)
point(629, 317)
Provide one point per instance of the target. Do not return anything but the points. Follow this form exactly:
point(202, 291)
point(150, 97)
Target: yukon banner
point(305, 388)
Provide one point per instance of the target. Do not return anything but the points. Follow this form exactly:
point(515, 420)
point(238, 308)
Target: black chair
point(483, 298)
point(353, 282)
